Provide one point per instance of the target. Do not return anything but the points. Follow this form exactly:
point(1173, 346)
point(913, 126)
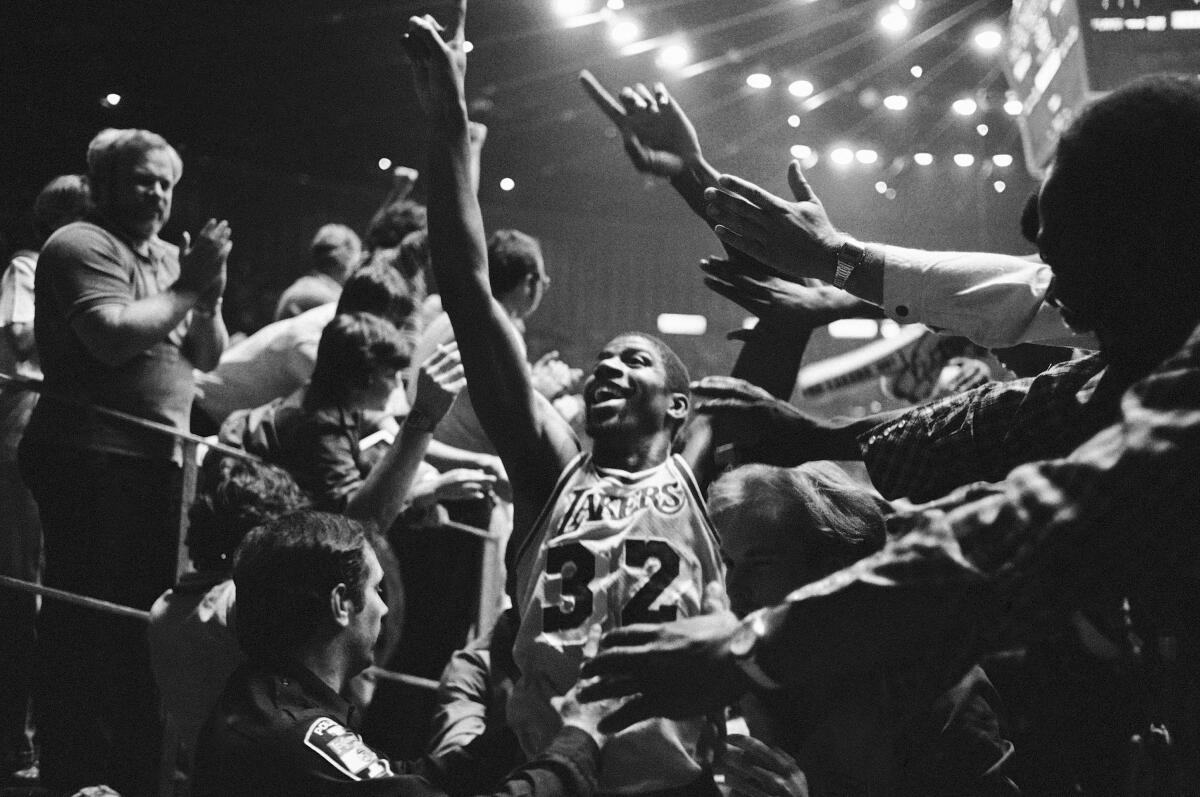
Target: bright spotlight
point(111, 100)
point(881, 187)
point(965, 106)
point(385, 164)
point(800, 88)
point(907, 5)
point(988, 39)
point(964, 159)
point(801, 152)
point(673, 56)
point(794, 120)
point(507, 184)
point(468, 47)
point(981, 129)
point(842, 156)
point(922, 159)
point(893, 20)
point(1013, 107)
point(866, 156)
point(624, 31)
point(615, 5)
point(916, 70)
point(999, 186)
point(571, 8)
point(759, 80)
point(682, 324)
point(1002, 159)
point(895, 102)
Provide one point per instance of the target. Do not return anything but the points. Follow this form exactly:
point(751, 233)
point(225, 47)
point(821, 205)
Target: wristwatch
point(850, 255)
point(744, 647)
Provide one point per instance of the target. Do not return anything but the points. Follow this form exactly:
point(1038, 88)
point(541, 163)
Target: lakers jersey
point(611, 548)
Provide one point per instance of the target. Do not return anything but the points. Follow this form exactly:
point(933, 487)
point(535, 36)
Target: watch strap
point(850, 255)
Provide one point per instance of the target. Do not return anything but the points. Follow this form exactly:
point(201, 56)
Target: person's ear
point(340, 605)
point(680, 404)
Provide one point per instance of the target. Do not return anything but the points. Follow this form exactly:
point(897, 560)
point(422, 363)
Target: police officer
point(309, 610)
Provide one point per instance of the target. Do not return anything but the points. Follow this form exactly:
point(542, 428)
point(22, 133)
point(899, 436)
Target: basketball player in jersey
point(614, 537)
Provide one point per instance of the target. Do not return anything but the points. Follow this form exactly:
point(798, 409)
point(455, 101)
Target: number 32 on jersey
point(569, 599)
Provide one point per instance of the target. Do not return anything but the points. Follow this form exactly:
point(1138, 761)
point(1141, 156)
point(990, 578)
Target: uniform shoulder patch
point(345, 750)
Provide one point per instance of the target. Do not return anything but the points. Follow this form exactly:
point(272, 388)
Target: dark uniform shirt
point(285, 732)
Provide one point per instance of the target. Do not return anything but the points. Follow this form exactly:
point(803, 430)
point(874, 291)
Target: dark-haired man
point(309, 612)
point(613, 537)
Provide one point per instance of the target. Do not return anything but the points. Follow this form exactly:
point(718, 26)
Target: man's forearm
point(207, 338)
point(115, 333)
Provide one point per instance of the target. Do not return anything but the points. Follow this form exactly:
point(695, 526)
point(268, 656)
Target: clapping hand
point(658, 136)
point(202, 262)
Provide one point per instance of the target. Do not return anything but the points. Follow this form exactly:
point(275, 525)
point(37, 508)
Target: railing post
point(491, 568)
point(186, 497)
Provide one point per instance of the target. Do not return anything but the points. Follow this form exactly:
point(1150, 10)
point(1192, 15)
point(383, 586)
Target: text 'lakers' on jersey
point(611, 548)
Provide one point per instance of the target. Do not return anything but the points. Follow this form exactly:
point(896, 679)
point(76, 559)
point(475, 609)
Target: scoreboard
point(1061, 53)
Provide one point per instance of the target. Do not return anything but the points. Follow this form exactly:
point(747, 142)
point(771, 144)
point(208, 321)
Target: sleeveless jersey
point(611, 548)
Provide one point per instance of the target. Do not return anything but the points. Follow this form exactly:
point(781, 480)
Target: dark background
point(281, 111)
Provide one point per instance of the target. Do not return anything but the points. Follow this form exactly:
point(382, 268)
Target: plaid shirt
point(982, 434)
point(983, 566)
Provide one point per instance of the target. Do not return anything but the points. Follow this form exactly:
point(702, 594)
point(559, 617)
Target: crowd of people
point(702, 596)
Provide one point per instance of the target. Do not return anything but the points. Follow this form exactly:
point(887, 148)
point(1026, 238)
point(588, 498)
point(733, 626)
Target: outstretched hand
point(786, 307)
point(794, 238)
point(439, 65)
point(658, 136)
point(673, 670)
point(761, 427)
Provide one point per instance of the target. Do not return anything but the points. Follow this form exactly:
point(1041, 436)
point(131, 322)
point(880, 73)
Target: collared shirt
point(985, 566)
point(282, 731)
point(993, 300)
point(982, 434)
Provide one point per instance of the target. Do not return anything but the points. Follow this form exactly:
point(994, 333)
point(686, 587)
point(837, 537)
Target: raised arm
point(534, 442)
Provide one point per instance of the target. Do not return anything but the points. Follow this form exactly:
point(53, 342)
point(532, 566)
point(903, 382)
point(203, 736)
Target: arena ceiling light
point(988, 39)
point(916, 70)
point(964, 159)
point(111, 100)
point(801, 152)
point(999, 186)
point(385, 164)
point(1002, 159)
point(571, 8)
point(842, 156)
point(758, 80)
point(801, 88)
point(893, 20)
point(615, 5)
point(1013, 107)
point(907, 5)
point(793, 120)
point(866, 156)
point(624, 31)
point(673, 56)
point(895, 102)
point(507, 184)
point(682, 324)
point(965, 106)
point(923, 159)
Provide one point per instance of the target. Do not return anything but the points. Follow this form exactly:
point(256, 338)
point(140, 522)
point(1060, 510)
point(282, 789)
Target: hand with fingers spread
point(202, 261)
point(784, 306)
point(754, 769)
point(439, 380)
point(658, 136)
point(675, 670)
point(796, 239)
